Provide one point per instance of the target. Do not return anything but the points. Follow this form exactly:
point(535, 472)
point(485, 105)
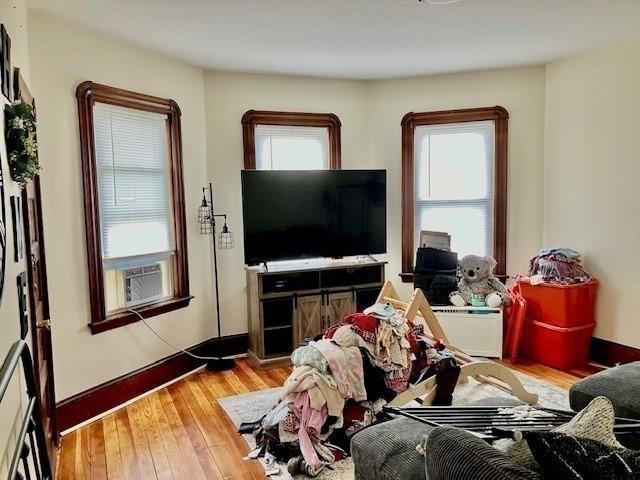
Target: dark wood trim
point(41, 345)
point(147, 311)
point(90, 403)
point(87, 94)
point(409, 122)
point(21, 89)
point(610, 353)
point(255, 117)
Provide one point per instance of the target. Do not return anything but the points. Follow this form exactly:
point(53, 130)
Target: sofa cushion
point(619, 384)
point(455, 454)
point(388, 450)
point(573, 458)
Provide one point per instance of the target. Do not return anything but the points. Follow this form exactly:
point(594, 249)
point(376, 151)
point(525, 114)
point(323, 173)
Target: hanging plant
point(22, 147)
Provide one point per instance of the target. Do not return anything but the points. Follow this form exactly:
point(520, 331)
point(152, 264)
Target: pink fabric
point(346, 367)
point(311, 422)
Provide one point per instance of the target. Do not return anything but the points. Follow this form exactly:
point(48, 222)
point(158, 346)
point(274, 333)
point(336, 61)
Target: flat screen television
point(313, 213)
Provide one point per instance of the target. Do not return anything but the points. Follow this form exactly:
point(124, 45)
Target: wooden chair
point(418, 311)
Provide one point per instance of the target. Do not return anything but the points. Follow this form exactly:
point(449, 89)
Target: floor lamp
point(207, 220)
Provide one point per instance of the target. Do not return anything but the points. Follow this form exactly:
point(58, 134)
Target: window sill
point(125, 318)
point(408, 277)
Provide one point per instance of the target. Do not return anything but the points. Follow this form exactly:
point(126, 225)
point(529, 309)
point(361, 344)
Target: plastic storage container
point(558, 347)
point(560, 305)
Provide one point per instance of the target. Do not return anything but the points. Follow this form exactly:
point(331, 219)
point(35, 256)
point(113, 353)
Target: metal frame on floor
point(30, 458)
point(491, 423)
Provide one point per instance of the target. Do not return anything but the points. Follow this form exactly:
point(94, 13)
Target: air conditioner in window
point(142, 284)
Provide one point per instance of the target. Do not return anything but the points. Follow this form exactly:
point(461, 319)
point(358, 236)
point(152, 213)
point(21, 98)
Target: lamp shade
point(204, 218)
point(225, 239)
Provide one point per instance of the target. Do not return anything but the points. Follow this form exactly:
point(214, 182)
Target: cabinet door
point(308, 318)
point(338, 306)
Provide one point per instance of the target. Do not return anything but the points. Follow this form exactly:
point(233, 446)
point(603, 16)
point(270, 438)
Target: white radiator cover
point(474, 330)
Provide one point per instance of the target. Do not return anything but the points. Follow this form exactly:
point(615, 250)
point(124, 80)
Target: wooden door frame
point(22, 92)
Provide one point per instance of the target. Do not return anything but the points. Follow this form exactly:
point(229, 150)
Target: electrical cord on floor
point(177, 349)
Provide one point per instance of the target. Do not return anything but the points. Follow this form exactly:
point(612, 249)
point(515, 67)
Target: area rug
point(250, 407)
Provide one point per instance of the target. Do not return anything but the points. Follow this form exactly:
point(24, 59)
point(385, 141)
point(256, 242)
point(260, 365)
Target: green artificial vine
point(22, 147)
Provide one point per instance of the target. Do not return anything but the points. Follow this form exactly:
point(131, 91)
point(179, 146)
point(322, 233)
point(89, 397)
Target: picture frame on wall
point(5, 62)
point(3, 234)
point(18, 230)
point(21, 283)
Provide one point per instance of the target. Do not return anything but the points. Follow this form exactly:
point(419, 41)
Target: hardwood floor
point(181, 432)
point(551, 375)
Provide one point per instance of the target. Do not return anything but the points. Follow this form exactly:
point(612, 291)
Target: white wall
point(13, 15)
point(62, 56)
point(521, 92)
point(228, 97)
point(371, 138)
point(592, 172)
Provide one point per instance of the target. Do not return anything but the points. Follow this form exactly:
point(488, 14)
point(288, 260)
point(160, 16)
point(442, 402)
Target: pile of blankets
point(341, 381)
point(558, 265)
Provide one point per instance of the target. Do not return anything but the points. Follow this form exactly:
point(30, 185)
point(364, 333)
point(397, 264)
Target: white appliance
point(142, 284)
point(474, 330)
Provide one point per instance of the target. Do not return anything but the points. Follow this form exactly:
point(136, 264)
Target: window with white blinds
point(132, 159)
point(454, 183)
point(283, 147)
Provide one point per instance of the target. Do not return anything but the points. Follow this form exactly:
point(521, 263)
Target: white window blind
point(133, 181)
point(282, 147)
point(454, 171)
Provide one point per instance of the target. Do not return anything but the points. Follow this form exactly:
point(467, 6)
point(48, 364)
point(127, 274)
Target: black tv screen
point(313, 213)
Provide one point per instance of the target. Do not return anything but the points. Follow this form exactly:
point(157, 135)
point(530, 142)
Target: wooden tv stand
point(291, 301)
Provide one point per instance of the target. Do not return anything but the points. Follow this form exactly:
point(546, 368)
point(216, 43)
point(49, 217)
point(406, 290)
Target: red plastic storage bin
point(558, 347)
point(560, 305)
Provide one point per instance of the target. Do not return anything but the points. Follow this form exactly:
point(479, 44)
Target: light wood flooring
point(181, 432)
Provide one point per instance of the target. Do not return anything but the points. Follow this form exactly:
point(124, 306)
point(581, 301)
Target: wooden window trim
point(410, 121)
point(256, 117)
point(87, 94)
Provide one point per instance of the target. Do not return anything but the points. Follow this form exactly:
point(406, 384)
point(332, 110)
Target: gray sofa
point(619, 384)
point(387, 451)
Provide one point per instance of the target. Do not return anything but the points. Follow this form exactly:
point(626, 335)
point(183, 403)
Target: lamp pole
point(219, 363)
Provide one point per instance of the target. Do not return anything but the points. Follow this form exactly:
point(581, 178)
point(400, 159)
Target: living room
point(557, 83)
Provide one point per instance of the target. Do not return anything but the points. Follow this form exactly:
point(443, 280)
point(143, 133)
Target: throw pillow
point(594, 422)
point(572, 458)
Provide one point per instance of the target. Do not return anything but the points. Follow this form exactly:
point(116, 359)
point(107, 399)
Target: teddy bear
point(478, 286)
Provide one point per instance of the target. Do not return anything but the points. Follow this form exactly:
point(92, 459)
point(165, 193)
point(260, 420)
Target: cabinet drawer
point(345, 277)
point(290, 282)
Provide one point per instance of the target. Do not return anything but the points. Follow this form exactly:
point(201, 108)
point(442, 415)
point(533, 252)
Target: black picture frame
point(5, 62)
point(18, 229)
point(23, 308)
point(3, 234)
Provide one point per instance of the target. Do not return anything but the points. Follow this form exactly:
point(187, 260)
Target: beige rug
point(250, 407)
